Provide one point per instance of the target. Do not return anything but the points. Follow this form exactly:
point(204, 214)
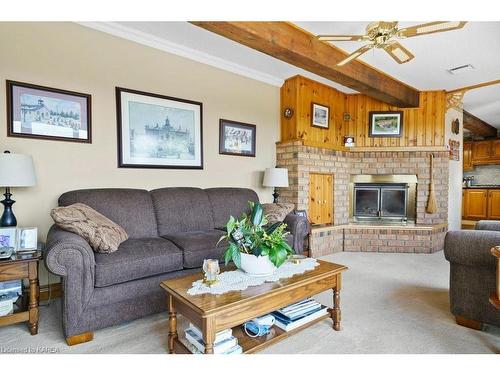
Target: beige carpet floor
point(391, 303)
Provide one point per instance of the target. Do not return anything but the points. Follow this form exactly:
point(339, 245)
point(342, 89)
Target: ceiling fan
point(381, 35)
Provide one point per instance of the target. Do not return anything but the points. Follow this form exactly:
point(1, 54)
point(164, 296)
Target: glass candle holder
point(211, 269)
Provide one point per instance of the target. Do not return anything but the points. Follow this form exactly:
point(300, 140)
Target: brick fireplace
point(427, 232)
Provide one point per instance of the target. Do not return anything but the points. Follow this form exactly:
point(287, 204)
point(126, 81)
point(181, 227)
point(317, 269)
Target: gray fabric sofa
point(171, 231)
point(473, 273)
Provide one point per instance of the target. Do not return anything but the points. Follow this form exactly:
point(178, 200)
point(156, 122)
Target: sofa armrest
point(488, 225)
point(299, 227)
point(471, 247)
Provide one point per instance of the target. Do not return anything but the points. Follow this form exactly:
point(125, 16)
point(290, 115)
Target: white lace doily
point(239, 280)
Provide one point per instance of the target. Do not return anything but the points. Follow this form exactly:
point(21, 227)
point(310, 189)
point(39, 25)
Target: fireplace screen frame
point(380, 188)
point(411, 196)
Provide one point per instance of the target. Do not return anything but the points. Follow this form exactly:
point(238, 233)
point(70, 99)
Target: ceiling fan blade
point(398, 52)
point(430, 28)
point(342, 38)
point(356, 54)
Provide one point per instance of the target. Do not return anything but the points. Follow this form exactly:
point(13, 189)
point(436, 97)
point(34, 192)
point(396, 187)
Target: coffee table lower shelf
point(252, 345)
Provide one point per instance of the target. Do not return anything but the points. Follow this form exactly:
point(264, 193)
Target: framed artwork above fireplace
point(385, 124)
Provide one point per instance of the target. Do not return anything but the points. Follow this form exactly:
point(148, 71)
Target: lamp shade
point(16, 170)
point(276, 177)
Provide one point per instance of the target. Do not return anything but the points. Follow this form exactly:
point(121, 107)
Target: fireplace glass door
point(380, 201)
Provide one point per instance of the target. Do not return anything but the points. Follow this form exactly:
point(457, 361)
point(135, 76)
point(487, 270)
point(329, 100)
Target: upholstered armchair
point(473, 273)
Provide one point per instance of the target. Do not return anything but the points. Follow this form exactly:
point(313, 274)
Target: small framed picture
point(386, 124)
point(8, 237)
point(237, 138)
point(320, 116)
point(47, 113)
point(27, 239)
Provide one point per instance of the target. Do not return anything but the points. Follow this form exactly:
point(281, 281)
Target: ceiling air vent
point(461, 69)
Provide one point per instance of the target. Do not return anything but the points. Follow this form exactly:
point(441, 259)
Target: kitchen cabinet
point(481, 151)
point(494, 204)
point(468, 156)
point(476, 204)
point(495, 150)
point(480, 204)
point(320, 198)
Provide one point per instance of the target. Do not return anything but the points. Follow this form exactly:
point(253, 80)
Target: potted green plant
point(254, 247)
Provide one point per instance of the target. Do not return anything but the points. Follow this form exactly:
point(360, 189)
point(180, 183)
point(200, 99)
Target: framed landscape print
point(47, 113)
point(157, 131)
point(236, 138)
point(385, 124)
point(320, 115)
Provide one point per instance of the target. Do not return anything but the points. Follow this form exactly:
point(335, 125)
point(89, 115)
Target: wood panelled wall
point(423, 127)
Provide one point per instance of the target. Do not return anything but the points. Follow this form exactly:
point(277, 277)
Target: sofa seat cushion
point(135, 259)
point(199, 245)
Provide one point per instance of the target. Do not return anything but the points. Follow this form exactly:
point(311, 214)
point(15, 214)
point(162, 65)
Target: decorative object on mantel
point(288, 112)
point(46, 113)
point(252, 247)
point(349, 141)
point(275, 177)
point(158, 131)
point(320, 116)
point(16, 170)
point(386, 124)
point(239, 280)
point(237, 138)
point(431, 207)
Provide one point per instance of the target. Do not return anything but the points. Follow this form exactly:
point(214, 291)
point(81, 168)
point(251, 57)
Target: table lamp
point(275, 177)
point(16, 170)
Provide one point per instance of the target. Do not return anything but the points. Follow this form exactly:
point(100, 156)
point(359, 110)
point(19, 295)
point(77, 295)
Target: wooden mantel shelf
point(369, 149)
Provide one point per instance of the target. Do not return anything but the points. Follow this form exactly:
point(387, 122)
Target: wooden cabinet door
point(494, 204)
point(481, 151)
point(464, 206)
point(468, 156)
point(495, 150)
point(476, 204)
point(320, 198)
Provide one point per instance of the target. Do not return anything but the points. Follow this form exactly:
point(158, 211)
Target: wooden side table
point(495, 297)
point(23, 266)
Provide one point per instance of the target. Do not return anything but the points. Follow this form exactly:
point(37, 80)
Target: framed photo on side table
point(386, 124)
point(158, 131)
point(47, 113)
point(8, 237)
point(27, 239)
point(237, 138)
point(320, 116)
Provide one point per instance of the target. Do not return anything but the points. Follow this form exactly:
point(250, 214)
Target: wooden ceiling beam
point(289, 43)
point(477, 126)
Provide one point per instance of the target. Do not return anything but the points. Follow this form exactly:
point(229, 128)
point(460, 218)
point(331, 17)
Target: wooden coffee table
point(214, 313)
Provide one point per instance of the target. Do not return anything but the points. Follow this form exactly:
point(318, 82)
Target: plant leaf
point(228, 255)
point(236, 255)
point(231, 224)
point(281, 256)
point(272, 228)
point(257, 213)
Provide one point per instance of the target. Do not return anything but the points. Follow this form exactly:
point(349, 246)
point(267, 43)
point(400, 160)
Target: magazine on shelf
point(219, 348)
point(287, 324)
point(234, 350)
point(219, 336)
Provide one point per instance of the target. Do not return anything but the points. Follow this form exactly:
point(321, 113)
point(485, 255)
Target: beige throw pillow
point(101, 233)
point(276, 212)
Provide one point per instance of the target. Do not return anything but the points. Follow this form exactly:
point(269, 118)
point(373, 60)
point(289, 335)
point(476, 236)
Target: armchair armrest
point(488, 225)
point(471, 247)
point(299, 227)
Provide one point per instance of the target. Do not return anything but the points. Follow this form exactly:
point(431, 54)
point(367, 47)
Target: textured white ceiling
point(478, 43)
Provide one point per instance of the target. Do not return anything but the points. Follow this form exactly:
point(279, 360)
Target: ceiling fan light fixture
point(437, 27)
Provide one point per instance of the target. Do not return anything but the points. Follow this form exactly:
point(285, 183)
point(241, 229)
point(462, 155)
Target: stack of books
point(298, 314)
point(9, 293)
point(225, 342)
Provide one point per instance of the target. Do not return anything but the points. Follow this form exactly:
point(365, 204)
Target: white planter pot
point(257, 266)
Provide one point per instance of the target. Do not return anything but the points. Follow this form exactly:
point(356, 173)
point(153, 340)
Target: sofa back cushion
point(132, 209)
point(229, 201)
point(182, 209)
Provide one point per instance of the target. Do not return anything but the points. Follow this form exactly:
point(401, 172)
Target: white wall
point(455, 172)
